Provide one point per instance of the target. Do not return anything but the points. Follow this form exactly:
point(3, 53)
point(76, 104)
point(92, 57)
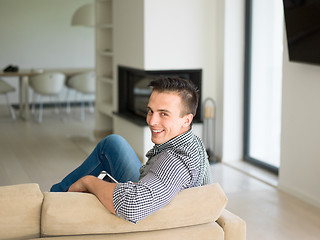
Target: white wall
point(129, 33)
point(234, 29)
point(38, 34)
point(169, 34)
point(128, 16)
point(180, 34)
point(300, 141)
point(184, 34)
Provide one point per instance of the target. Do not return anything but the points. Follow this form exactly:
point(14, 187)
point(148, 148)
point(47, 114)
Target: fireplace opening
point(134, 93)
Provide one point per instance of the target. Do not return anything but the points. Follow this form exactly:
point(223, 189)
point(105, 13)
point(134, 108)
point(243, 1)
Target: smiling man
point(165, 118)
point(177, 161)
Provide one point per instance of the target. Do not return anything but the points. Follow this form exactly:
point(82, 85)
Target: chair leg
point(40, 110)
point(82, 111)
point(11, 110)
point(68, 109)
point(56, 104)
point(33, 108)
point(91, 108)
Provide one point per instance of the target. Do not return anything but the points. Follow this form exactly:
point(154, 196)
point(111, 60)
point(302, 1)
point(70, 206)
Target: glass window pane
point(265, 79)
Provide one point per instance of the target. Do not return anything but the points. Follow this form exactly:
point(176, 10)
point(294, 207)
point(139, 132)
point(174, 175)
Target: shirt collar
point(174, 142)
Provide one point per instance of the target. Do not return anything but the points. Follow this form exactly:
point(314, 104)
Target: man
point(177, 161)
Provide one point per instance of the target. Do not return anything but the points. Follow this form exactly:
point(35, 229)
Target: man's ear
point(188, 120)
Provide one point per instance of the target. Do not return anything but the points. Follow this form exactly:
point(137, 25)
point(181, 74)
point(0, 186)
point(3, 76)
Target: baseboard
point(298, 194)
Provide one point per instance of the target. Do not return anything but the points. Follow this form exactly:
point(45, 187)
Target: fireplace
point(133, 90)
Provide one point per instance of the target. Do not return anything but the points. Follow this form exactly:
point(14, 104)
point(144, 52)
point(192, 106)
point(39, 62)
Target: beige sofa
point(196, 213)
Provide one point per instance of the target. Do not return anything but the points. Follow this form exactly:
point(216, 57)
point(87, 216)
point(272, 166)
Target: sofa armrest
point(20, 208)
point(233, 226)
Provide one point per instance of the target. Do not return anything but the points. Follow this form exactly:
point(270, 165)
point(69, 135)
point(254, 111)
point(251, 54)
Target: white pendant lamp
point(84, 16)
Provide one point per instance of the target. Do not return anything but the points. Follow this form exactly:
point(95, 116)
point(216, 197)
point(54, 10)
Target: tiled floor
point(44, 153)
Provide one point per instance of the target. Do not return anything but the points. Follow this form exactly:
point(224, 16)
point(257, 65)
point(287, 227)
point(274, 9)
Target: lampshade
point(84, 16)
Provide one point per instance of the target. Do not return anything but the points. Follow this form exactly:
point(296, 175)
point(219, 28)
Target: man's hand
point(101, 189)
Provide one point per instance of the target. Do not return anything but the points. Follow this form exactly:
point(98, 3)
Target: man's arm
point(167, 176)
point(101, 189)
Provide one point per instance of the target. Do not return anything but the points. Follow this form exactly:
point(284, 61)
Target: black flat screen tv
point(302, 20)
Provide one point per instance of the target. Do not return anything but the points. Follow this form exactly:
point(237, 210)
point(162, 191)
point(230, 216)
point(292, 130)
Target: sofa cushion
point(20, 208)
point(208, 231)
point(81, 213)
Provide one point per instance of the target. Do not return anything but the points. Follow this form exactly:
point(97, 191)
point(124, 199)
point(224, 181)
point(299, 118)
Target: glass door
point(264, 47)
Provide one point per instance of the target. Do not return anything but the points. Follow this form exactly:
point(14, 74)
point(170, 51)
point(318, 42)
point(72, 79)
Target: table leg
point(26, 98)
point(21, 105)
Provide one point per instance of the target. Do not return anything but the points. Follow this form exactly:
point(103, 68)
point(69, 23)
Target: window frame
point(247, 94)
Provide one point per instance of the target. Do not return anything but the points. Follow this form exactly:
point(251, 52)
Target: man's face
point(164, 116)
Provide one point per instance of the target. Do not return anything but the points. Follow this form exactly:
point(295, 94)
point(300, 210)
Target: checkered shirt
point(178, 164)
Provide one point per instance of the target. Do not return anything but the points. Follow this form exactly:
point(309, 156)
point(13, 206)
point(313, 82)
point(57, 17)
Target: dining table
point(24, 76)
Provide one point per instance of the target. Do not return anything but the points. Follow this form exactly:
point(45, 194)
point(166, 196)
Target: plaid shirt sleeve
point(168, 175)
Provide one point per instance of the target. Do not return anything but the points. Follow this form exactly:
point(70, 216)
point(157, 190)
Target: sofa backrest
point(79, 213)
point(20, 208)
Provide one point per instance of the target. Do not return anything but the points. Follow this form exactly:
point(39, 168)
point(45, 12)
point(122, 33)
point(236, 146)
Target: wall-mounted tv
point(302, 20)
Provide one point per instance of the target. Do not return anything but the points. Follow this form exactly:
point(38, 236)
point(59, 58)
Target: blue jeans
point(114, 155)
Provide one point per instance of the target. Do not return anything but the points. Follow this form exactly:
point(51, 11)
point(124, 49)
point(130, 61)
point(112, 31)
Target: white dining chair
point(85, 84)
point(46, 84)
point(6, 88)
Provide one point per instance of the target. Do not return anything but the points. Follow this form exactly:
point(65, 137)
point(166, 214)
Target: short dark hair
point(184, 88)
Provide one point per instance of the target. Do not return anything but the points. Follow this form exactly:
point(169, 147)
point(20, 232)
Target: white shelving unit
point(104, 67)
